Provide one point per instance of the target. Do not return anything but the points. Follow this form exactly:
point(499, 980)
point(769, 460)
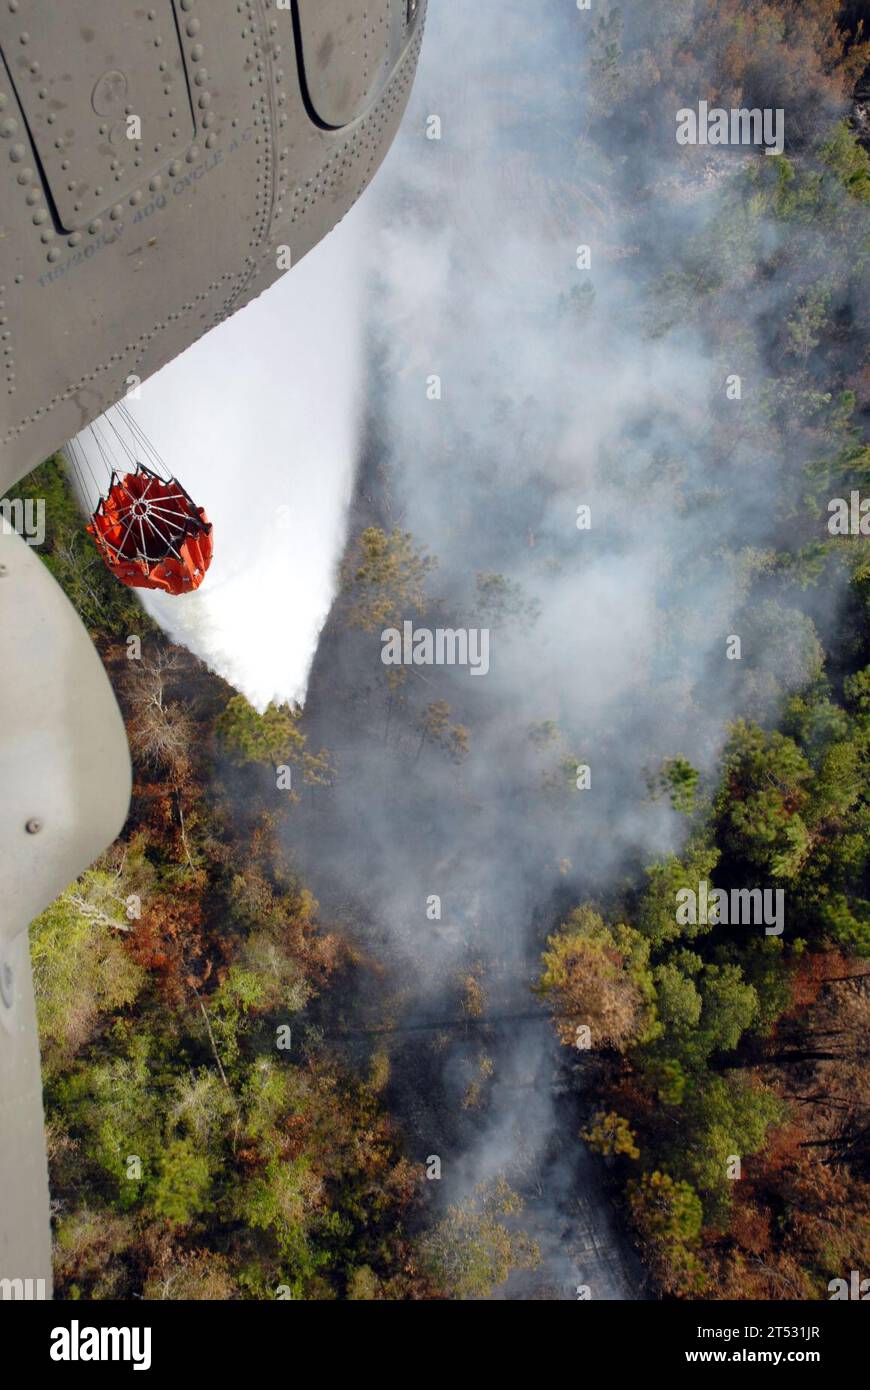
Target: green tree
point(678, 999)
point(435, 728)
point(725, 1117)
point(729, 1007)
point(657, 917)
point(383, 578)
point(809, 320)
point(183, 1185)
point(81, 968)
point(679, 780)
point(665, 1208)
point(474, 1249)
point(764, 791)
point(271, 737)
point(669, 1215)
point(849, 160)
point(610, 1134)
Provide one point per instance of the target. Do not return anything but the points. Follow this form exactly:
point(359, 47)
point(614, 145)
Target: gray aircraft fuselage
point(155, 158)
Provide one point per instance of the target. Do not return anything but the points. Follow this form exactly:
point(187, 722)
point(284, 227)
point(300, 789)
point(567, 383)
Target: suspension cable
point(101, 448)
point(123, 443)
point(143, 441)
point(74, 465)
point(79, 456)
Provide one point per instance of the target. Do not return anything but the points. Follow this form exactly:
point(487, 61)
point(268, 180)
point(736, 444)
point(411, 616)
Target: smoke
point(259, 421)
point(560, 388)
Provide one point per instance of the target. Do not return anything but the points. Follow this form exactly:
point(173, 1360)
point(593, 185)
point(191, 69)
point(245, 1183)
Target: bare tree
point(161, 732)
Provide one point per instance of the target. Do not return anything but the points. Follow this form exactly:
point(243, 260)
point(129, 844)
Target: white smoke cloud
point(259, 422)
